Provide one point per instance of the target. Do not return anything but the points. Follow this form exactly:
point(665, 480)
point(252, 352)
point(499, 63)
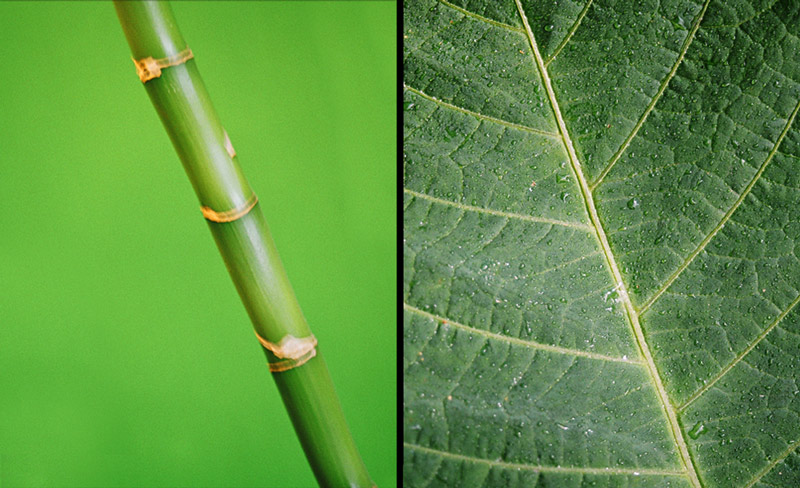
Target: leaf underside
point(600, 271)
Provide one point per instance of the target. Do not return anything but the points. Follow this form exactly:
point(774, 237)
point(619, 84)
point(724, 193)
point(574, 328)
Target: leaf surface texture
point(600, 274)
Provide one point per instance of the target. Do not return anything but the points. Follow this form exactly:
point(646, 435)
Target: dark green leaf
point(600, 231)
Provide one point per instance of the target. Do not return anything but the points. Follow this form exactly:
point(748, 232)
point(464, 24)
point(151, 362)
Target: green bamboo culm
point(172, 81)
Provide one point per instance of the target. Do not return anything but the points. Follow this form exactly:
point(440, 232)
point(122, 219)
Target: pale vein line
point(725, 218)
point(633, 317)
point(569, 34)
point(479, 115)
point(514, 340)
point(774, 463)
point(563, 264)
point(684, 48)
point(542, 469)
point(498, 213)
point(481, 17)
point(741, 355)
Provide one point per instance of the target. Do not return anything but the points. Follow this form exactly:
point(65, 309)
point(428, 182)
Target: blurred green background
point(126, 357)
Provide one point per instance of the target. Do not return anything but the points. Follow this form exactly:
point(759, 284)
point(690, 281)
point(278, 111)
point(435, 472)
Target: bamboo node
point(292, 350)
point(229, 215)
point(149, 67)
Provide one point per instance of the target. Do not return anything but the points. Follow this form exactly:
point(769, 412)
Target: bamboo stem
point(243, 239)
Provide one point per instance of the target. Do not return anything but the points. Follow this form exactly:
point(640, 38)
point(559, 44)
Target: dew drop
point(633, 203)
point(697, 430)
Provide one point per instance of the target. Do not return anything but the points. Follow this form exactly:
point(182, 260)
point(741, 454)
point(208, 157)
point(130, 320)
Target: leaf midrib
point(686, 460)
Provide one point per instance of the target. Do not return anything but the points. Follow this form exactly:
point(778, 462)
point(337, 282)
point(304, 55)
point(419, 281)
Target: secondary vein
point(774, 463)
point(725, 218)
point(633, 317)
point(498, 213)
point(515, 340)
point(478, 115)
point(741, 355)
point(684, 48)
point(542, 469)
point(570, 33)
point(480, 18)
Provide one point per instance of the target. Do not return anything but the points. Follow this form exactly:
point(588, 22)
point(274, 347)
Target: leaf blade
point(694, 327)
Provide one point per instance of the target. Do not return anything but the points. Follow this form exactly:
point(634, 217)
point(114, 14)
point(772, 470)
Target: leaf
point(601, 269)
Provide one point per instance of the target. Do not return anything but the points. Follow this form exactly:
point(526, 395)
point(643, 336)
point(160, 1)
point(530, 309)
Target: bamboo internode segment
point(229, 215)
point(149, 67)
point(294, 351)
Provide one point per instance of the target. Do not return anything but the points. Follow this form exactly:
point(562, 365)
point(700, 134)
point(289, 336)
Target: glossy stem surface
point(183, 104)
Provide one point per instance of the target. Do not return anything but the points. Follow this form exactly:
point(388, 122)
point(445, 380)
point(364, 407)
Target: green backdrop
point(126, 357)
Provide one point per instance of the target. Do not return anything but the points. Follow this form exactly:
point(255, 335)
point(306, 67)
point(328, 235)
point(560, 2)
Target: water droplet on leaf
point(697, 430)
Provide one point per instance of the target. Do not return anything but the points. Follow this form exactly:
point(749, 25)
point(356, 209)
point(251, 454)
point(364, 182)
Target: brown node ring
point(288, 364)
point(229, 215)
point(293, 351)
point(149, 67)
